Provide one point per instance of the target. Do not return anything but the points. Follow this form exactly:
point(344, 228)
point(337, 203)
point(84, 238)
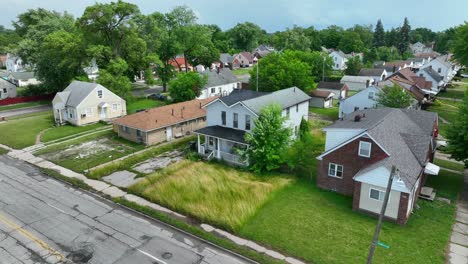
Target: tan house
point(83, 103)
point(163, 123)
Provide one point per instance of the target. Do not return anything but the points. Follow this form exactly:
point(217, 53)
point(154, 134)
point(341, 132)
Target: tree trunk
point(164, 87)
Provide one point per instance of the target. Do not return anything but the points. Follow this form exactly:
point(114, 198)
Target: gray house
point(7, 89)
point(221, 82)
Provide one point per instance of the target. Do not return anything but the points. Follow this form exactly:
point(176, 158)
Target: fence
point(17, 100)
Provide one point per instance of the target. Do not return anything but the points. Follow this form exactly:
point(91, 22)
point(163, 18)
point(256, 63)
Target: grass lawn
point(449, 165)
point(3, 151)
point(457, 91)
point(67, 130)
point(331, 113)
point(447, 184)
point(140, 104)
point(20, 133)
point(352, 92)
point(89, 151)
point(23, 105)
point(446, 109)
point(214, 193)
point(241, 71)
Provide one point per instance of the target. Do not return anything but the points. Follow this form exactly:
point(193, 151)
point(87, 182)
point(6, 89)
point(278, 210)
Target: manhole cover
point(167, 255)
point(32, 174)
point(82, 254)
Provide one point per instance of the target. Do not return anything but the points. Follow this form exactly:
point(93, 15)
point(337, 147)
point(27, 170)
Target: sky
point(275, 15)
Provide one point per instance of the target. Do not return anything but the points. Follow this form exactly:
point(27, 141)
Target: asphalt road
point(45, 221)
point(147, 92)
point(22, 111)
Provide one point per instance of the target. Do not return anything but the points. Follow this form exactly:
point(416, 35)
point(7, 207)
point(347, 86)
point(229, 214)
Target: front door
point(104, 113)
point(168, 133)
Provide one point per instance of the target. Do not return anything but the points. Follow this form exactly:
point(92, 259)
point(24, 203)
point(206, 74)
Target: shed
point(321, 99)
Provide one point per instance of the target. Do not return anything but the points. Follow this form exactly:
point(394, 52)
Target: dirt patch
point(122, 178)
point(87, 149)
point(159, 162)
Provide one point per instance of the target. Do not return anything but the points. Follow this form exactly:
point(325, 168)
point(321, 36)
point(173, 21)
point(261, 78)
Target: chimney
point(294, 89)
point(218, 69)
point(182, 112)
point(172, 111)
point(394, 69)
point(200, 105)
point(363, 115)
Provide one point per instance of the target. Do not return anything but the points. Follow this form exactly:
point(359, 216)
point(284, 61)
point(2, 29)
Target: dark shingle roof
point(434, 75)
point(223, 132)
point(331, 85)
point(371, 72)
point(240, 95)
point(285, 97)
point(224, 76)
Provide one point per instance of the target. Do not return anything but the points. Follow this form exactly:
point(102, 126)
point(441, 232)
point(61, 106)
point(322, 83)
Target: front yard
point(23, 105)
point(456, 91)
point(22, 132)
point(142, 104)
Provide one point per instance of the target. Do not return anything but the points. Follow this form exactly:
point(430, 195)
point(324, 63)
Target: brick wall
point(356, 196)
point(348, 157)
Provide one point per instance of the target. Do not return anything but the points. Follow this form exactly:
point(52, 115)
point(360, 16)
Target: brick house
point(360, 151)
point(163, 123)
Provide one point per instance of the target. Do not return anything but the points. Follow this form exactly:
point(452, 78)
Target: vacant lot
point(23, 105)
point(68, 130)
point(213, 193)
point(89, 151)
point(142, 104)
point(20, 133)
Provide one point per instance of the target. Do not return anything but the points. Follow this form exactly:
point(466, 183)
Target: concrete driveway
point(27, 110)
point(45, 221)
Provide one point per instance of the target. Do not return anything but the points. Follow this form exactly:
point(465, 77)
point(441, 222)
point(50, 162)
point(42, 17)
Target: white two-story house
point(339, 60)
point(221, 82)
point(443, 67)
point(229, 118)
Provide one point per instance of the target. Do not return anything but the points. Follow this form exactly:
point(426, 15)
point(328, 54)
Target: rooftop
point(331, 85)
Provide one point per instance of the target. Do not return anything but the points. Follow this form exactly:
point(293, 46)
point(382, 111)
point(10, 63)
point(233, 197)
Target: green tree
point(186, 86)
point(281, 70)
point(268, 140)
point(298, 156)
point(365, 34)
point(388, 53)
point(331, 36)
point(293, 39)
point(457, 134)
point(444, 40)
point(379, 35)
point(351, 42)
point(246, 36)
point(371, 56)
point(404, 37)
point(353, 66)
point(423, 35)
point(460, 44)
point(8, 40)
point(395, 97)
point(113, 78)
point(314, 37)
point(392, 37)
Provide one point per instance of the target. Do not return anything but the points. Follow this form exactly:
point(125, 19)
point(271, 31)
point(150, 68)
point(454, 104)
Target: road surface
point(27, 110)
point(147, 92)
point(45, 221)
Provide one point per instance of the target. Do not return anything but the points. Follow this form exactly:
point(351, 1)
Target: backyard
point(456, 91)
point(447, 110)
point(23, 105)
point(329, 113)
point(241, 71)
point(142, 104)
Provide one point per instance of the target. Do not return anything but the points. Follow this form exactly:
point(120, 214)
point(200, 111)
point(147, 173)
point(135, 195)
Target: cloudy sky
point(274, 15)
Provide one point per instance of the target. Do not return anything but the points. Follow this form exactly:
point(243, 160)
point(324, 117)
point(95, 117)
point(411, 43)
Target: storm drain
point(82, 254)
point(167, 255)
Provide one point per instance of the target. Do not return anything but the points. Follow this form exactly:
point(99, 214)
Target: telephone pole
point(258, 65)
point(381, 216)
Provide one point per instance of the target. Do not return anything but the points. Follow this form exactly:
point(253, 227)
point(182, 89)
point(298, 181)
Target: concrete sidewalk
point(459, 240)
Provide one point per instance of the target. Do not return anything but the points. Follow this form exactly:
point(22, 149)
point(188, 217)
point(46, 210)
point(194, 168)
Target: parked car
point(156, 96)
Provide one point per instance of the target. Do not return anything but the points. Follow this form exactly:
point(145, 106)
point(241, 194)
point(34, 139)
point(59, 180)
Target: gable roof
point(361, 79)
point(331, 86)
point(160, 117)
point(285, 97)
point(23, 75)
point(240, 95)
point(179, 61)
point(76, 92)
point(371, 72)
point(247, 55)
point(320, 94)
point(224, 76)
point(6, 83)
point(390, 68)
point(433, 74)
point(226, 58)
point(403, 133)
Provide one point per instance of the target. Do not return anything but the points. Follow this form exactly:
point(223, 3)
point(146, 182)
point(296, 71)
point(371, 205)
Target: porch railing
point(233, 158)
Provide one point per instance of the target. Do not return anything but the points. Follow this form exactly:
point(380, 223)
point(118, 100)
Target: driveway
point(27, 110)
point(45, 221)
point(148, 91)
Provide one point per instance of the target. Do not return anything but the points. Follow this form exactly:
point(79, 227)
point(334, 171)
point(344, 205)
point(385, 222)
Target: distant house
point(225, 60)
point(339, 90)
point(7, 89)
point(361, 149)
point(364, 99)
point(163, 123)
point(400, 64)
point(375, 73)
point(339, 60)
point(417, 85)
point(21, 79)
point(419, 47)
point(180, 64)
point(321, 99)
point(221, 82)
point(261, 52)
point(3, 59)
point(243, 59)
point(419, 62)
point(230, 117)
point(389, 69)
point(357, 83)
point(92, 71)
point(14, 63)
point(83, 103)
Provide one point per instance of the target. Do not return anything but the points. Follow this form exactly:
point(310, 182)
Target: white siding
point(444, 71)
point(221, 90)
point(334, 137)
point(213, 115)
point(371, 205)
point(296, 114)
point(360, 100)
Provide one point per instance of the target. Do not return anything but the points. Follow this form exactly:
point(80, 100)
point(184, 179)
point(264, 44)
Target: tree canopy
point(394, 97)
point(460, 44)
point(458, 131)
point(186, 86)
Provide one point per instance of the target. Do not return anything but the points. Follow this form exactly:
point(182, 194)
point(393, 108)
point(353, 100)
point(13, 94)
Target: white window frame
point(336, 170)
point(381, 194)
point(115, 107)
point(364, 143)
point(99, 93)
point(213, 90)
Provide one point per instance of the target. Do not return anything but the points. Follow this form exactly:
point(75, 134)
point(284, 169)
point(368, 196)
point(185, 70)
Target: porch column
point(218, 148)
point(198, 143)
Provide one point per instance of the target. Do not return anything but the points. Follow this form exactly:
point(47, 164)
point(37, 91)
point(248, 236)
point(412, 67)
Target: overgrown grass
point(130, 161)
point(241, 71)
point(3, 151)
point(457, 91)
point(21, 133)
point(23, 105)
point(67, 130)
point(447, 184)
point(449, 165)
point(142, 104)
point(331, 113)
point(213, 193)
point(76, 160)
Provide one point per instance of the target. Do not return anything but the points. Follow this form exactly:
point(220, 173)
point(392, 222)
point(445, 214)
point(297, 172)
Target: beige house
point(83, 103)
point(163, 123)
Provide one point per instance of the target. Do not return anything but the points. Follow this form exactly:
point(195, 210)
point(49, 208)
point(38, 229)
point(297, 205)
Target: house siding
point(360, 100)
point(370, 205)
point(220, 90)
point(347, 156)
point(213, 115)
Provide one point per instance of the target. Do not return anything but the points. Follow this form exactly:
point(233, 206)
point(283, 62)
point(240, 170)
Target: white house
point(14, 63)
point(7, 89)
point(339, 60)
point(229, 118)
point(443, 67)
point(357, 83)
point(419, 47)
point(375, 73)
point(365, 99)
point(221, 82)
point(92, 71)
point(83, 103)
point(21, 79)
point(338, 90)
point(430, 75)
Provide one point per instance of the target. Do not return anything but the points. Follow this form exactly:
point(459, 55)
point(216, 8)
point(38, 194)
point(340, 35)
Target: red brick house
point(361, 149)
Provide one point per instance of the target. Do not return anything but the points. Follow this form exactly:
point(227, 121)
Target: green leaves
point(460, 44)
point(186, 86)
point(394, 97)
point(353, 66)
point(457, 134)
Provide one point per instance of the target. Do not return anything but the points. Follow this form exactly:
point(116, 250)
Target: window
point(125, 129)
point(211, 141)
point(364, 149)
point(297, 108)
point(356, 108)
point(4, 90)
point(213, 90)
point(223, 117)
point(371, 95)
point(247, 122)
point(287, 111)
point(337, 66)
point(335, 170)
point(439, 70)
point(138, 133)
point(376, 194)
point(114, 107)
point(99, 93)
point(235, 121)
point(89, 111)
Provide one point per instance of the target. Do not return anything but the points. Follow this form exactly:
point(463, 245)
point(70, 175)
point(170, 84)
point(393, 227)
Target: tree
point(293, 39)
point(423, 35)
point(403, 37)
point(371, 56)
point(113, 78)
point(379, 35)
point(394, 96)
point(331, 36)
point(392, 37)
point(281, 70)
point(365, 34)
point(314, 37)
point(298, 156)
point(246, 36)
point(186, 86)
point(388, 53)
point(457, 133)
point(353, 66)
point(268, 140)
point(460, 44)
point(444, 40)
point(351, 42)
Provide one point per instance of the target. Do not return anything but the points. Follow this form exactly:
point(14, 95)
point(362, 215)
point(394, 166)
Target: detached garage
point(321, 99)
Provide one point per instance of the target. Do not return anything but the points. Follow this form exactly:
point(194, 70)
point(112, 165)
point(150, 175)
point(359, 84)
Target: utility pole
point(258, 65)
point(381, 216)
point(323, 69)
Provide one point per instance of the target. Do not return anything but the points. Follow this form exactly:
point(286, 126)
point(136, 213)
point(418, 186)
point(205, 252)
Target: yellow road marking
point(33, 238)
